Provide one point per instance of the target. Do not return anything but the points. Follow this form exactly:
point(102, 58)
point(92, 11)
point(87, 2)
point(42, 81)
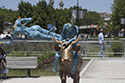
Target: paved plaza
point(96, 71)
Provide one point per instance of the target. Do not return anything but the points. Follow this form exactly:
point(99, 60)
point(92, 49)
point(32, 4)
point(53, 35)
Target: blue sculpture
point(33, 32)
point(69, 32)
point(37, 32)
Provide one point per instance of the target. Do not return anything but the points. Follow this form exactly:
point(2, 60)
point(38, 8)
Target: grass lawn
point(36, 72)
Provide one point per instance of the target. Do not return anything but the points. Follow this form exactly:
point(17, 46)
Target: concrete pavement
point(105, 71)
point(97, 71)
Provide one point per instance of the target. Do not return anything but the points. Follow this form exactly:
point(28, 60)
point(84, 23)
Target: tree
point(6, 16)
point(43, 14)
point(25, 9)
point(1, 22)
point(118, 9)
point(39, 15)
point(109, 28)
point(92, 18)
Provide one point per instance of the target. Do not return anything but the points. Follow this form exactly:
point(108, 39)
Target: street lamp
point(78, 12)
point(123, 24)
point(123, 21)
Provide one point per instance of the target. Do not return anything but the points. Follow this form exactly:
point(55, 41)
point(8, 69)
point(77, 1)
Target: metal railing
point(32, 47)
point(112, 48)
point(88, 48)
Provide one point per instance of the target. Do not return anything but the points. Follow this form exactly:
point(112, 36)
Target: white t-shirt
point(101, 38)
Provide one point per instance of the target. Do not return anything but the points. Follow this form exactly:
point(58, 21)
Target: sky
point(99, 6)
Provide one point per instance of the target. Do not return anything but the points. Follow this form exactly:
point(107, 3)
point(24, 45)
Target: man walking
point(101, 43)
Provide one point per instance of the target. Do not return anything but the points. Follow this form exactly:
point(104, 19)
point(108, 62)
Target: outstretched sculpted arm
point(27, 20)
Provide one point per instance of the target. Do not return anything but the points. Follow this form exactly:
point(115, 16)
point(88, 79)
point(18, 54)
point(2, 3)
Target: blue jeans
point(101, 49)
point(75, 62)
point(57, 56)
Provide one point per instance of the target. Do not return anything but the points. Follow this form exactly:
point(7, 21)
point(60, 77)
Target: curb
point(86, 67)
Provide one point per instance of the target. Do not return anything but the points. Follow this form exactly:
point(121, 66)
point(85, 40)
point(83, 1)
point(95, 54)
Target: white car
point(5, 36)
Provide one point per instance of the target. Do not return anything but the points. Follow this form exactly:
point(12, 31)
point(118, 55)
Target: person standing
point(3, 63)
point(101, 43)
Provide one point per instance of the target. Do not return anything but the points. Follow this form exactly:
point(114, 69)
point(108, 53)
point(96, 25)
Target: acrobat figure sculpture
point(68, 35)
point(69, 32)
point(33, 32)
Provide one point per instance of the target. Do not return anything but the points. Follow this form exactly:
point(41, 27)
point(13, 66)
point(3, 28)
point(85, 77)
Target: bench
point(22, 63)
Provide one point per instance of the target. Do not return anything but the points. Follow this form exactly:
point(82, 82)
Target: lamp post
point(78, 12)
point(123, 34)
point(123, 25)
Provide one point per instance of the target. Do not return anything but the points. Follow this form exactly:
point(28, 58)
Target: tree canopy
point(118, 9)
point(44, 14)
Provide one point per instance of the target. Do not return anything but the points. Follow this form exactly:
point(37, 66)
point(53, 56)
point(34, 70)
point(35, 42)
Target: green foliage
point(25, 9)
point(118, 9)
point(1, 22)
point(18, 54)
point(91, 18)
point(46, 60)
point(116, 47)
point(34, 72)
point(44, 14)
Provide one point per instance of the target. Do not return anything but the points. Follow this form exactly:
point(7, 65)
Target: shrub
point(46, 60)
point(116, 47)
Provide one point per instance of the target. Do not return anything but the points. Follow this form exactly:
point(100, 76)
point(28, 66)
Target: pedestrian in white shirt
point(101, 43)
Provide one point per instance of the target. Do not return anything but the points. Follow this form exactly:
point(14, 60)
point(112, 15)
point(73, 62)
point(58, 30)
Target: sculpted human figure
point(34, 32)
point(70, 34)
